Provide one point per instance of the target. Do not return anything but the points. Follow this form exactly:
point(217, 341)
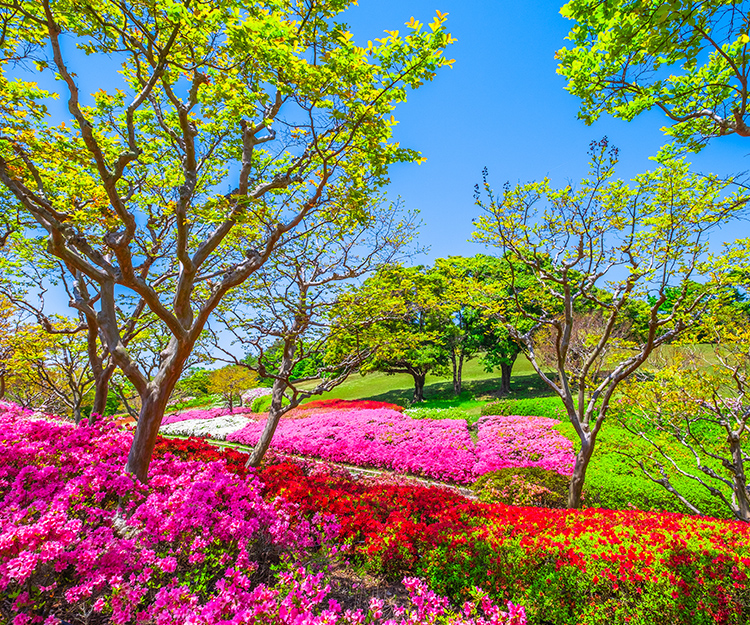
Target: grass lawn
point(478, 386)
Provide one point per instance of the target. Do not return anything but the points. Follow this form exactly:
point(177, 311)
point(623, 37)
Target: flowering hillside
point(436, 448)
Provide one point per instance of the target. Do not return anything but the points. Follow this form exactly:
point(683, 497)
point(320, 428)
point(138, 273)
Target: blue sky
point(503, 106)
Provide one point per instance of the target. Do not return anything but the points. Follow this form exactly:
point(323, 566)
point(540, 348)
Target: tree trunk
point(77, 416)
point(579, 474)
point(101, 392)
point(419, 379)
point(505, 371)
point(739, 482)
point(2, 384)
point(275, 412)
point(231, 403)
point(458, 366)
point(277, 408)
point(150, 417)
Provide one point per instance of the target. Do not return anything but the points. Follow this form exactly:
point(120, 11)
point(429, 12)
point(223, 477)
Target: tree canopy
point(688, 58)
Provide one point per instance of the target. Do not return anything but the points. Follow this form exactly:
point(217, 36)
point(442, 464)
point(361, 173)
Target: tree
point(494, 280)
point(636, 240)
point(234, 126)
point(455, 285)
point(409, 334)
point(27, 271)
point(296, 298)
point(690, 59)
point(58, 367)
point(231, 382)
point(703, 409)
point(469, 291)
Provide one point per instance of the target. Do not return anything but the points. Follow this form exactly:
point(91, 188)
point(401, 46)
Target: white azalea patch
point(218, 427)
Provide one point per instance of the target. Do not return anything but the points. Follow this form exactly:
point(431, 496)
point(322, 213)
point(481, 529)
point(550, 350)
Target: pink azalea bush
point(249, 396)
point(435, 448)
point(511, 441)
point(79, 538)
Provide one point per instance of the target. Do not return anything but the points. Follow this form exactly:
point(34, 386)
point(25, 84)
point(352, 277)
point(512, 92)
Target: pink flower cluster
point(302, 599)
point(436, 448)
point(249, 396)
point(68, 512)
point(511, 441)
point(77, 536)
point(203, 413)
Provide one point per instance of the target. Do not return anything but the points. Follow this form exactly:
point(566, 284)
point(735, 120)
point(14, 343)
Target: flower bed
point(437, 448)
point(590, 567)
point(80, 541)
point(579, 567)
point(218, 427)
point(203, 414)
point(513, 441)
point(440, 449)
point(249, 396)
point(347, 404)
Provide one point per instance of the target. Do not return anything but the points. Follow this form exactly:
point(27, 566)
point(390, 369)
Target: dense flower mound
point(82, 542)
point(592, 566)
point(505, 441)
point(567, 567)
point(436, 448)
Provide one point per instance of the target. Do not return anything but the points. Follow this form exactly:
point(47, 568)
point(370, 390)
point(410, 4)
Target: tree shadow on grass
point(440, 394)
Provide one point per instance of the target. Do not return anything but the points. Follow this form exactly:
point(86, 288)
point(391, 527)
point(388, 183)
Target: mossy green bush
point(551, 407)
point(523, 486)
point(263, 403)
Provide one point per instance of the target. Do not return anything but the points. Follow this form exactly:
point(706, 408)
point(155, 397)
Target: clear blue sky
point(503, 106)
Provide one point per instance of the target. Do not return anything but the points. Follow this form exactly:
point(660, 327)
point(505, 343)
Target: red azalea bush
point(346, 404)
point(566, 567)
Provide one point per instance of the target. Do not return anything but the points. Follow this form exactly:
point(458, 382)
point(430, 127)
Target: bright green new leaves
point(688, 58)
point(231, 114)
point(655, 229)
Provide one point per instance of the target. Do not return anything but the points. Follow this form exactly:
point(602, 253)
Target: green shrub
point(263, 403)
point(523, 486)
point(451, 412)
point(550, 407)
